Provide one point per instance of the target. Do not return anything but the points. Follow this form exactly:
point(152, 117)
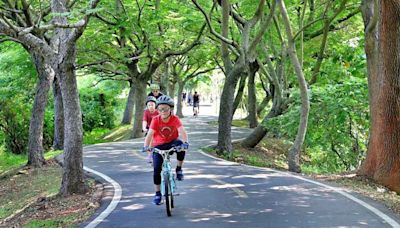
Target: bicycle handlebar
point(172, 149)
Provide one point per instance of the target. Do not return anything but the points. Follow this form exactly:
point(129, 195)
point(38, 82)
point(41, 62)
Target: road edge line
point(114, 202)
point(377, 212)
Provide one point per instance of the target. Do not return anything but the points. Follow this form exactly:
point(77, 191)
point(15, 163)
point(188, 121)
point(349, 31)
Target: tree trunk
point(130, 103)
point(294, 151)
point(64, 46)
point(35, 144)
point(261, 130)
point(140, 97)
point(171, 89)
point(73, 175)
point(226, 108)
point(252, 99)
point(179, 113)
point(370, 16)
point(58, 143)
point(239, 93)
point(262, 105)
point(383, 156)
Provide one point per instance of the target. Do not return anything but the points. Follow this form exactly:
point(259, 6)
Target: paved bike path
point(217, 193)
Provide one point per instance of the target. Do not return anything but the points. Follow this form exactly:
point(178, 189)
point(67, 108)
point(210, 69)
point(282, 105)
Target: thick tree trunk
point(179, 103)
point(226, 108)
point(140, 97)
point(73, 175)
point(58, 143)
point(370, 17)
point(35, 143)
point(64, 46)
point(239, 93)
point(130, 103)
point(252, 99)
point(383, 156)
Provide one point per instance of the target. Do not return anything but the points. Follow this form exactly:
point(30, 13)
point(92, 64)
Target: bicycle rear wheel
point(168, 195)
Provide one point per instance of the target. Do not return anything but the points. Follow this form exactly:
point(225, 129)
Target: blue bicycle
point(168, 184)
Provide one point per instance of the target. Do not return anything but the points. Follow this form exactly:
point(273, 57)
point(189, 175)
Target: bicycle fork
point(167, 171)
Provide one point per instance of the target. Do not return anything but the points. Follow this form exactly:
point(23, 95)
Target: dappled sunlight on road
point(208, 215)
point(140, 195)
point(134, 207)
point(255, 176)
point(205, 176)
point(221, 186)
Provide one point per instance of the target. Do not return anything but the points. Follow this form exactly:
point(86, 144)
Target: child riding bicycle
point(148, 115)
point(163, 134)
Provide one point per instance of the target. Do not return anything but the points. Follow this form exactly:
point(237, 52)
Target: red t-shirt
point(148, 116)
point(165, 132)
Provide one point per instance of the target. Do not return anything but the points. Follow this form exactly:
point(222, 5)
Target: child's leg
point(157, 163)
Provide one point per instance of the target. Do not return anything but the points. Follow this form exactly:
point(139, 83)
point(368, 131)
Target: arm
point(144, 125)
point(183, 134)
point(149, 137)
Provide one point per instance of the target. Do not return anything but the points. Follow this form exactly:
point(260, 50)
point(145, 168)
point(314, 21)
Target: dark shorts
point(196, 104)
point(158, 160)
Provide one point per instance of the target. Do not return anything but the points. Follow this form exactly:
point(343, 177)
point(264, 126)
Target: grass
point(31, 198)
point(9, 161)
point(95, 136)
point(119, 133)
point(236, 123)
point(26, 186)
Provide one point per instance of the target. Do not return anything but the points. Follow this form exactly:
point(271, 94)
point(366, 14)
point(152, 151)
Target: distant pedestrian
point(190, 99)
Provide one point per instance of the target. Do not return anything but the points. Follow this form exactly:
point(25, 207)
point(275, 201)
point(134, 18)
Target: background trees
point(262, 53)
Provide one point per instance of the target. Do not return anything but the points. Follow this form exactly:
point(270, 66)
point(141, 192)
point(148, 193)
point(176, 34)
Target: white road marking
point(382, 215)
point(114, 202)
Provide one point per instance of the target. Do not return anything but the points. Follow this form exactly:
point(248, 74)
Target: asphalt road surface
point(217, 193)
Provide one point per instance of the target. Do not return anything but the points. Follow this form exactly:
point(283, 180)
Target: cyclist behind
point(149, 113)
point(155, 91)
point(196, 102)
point(163, 134)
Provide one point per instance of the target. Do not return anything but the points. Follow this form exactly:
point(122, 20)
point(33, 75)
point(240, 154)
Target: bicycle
point(168, 184)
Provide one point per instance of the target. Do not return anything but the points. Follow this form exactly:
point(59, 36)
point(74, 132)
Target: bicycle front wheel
point(168, 195)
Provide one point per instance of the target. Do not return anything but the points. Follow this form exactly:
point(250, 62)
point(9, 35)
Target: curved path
point(216, 193)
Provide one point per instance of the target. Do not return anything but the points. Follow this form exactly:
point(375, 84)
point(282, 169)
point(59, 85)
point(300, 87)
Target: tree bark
point(382, 162)
point(226, 108)
point(73, 175)
point(35, 142)
point(130, 103)
point(171, 89)
point(252, 99)
point(370, 16)
point(58, 143)
point(261, 130)
point(179, 113)
point(140, 97)
point(294, 151)
point(64, 46)
point(239, 93)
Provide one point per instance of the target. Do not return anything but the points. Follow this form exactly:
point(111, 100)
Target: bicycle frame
point(166, 169)
point(167, 186)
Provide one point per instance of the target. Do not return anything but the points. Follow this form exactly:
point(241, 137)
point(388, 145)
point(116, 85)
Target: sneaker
point(157, 199)
point(179, 175)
